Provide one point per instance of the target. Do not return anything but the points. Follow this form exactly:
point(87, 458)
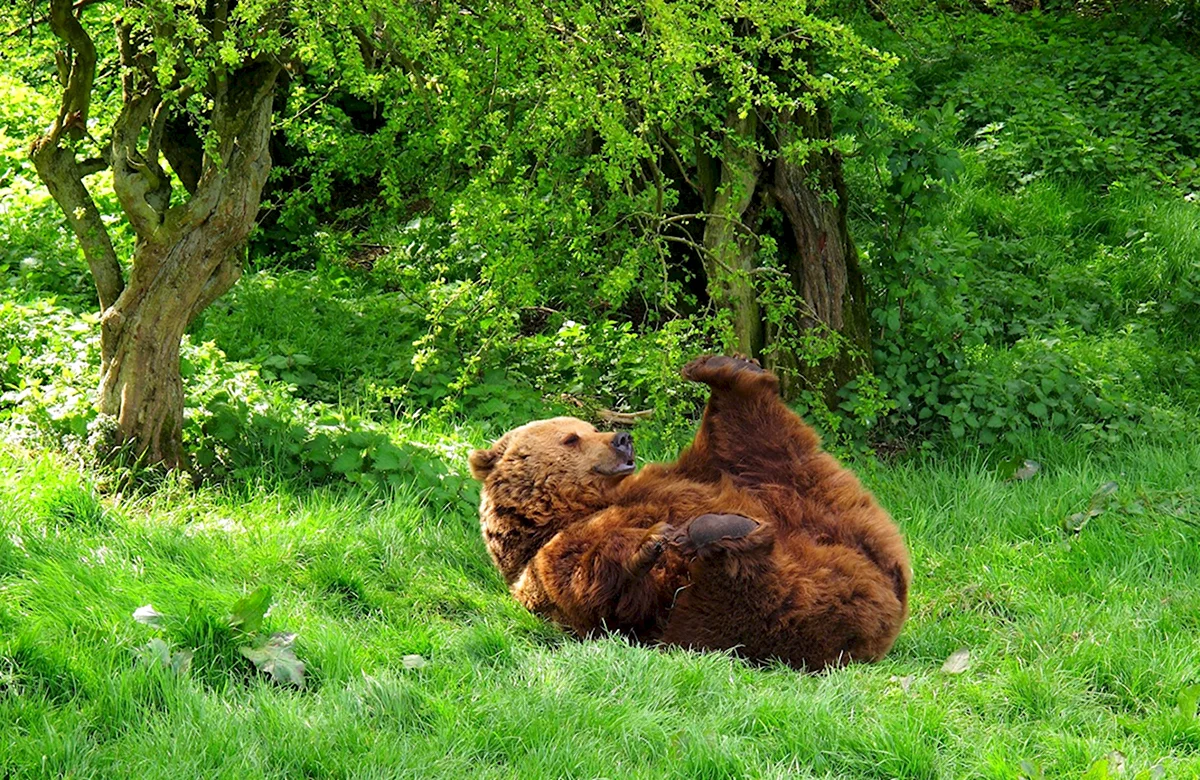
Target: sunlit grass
point(1079, 645)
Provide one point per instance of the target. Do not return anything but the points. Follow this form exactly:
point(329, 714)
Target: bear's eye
point(571, 440)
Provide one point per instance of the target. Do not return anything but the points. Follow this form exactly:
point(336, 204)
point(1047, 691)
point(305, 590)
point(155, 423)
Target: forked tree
point(188, 148)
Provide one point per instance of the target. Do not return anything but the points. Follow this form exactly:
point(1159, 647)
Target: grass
point(1079, 645)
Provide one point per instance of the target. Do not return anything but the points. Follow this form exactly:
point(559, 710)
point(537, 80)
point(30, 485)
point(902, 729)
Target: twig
point(623, 418)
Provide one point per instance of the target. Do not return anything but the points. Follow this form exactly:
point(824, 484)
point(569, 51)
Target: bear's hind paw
point(713, 531)
point(726, 372)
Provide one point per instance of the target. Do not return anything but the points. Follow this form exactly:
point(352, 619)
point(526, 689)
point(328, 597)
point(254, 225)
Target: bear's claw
point(651, 549)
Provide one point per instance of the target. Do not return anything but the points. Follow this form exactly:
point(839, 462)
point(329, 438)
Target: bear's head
point(553, 469)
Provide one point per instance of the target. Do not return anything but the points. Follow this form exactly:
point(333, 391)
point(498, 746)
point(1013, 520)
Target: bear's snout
point(623, 443)
point(621, 464)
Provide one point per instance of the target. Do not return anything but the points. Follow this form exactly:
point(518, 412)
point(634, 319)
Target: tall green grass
point(1080, 644)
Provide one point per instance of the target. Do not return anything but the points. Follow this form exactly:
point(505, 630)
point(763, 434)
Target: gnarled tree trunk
point(821, 259)
point(186, 255)
point(729, 243)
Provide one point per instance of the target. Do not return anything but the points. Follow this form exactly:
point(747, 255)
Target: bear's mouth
point(619, 470)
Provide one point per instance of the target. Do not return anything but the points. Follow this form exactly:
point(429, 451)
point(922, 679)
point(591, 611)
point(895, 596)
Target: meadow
point(313, 598)
point(417, 663)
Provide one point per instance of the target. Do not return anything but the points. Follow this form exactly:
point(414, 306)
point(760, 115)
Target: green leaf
point(389, 457)
point(248, 612)
point(14, 355)
point(277, 659)
point(349, 460)
point(1037, 409)
point(1189, 700)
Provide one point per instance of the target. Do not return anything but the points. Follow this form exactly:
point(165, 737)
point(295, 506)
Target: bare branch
point(678, 162)
point(92, 165)
point(623, 418)
point(137, 180)
point(77, 94)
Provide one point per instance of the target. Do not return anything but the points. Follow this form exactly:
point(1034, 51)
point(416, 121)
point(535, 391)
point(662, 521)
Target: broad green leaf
point(349, 460)
point(389, 457)
point(247, 614)
point(1188, 701)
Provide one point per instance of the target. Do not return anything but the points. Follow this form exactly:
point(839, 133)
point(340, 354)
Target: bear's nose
point(623, 443)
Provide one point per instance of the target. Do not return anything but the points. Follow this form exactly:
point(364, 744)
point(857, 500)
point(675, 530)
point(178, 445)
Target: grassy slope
point(1078, 647)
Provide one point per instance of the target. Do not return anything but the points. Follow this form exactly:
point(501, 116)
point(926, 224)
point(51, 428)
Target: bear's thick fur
point(754, 540)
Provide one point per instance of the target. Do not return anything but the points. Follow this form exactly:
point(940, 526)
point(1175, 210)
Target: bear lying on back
point(754, 540)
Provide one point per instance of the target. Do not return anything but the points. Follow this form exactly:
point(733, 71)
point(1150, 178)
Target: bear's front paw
point(651, 549)
point(708, 530)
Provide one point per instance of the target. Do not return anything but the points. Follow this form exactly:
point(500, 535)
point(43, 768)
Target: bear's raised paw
point(729, 372)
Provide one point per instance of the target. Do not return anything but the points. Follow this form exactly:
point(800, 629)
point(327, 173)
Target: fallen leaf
point(148, 615)
point(414, 661)
point(1075, 523)
point(905, 682)
point(158, 652)
point(1031, 771)
point(248, 612)
point(277, 659)
point(181, 662)
point(1026, 470)
point(1116, 762)
point(958, 662)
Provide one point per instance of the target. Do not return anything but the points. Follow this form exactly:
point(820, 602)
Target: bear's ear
point(482, 461)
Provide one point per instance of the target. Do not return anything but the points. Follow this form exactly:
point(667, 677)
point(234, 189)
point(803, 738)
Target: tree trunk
point(821, 259)
point(186, 255)
point(194, 257)
point(140, 336)
point(729, 244)
point(814, 244)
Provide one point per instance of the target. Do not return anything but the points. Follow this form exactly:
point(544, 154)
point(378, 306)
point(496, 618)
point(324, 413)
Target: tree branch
point(57, 167)
point(242, 119)
point(43, 19)
point(142, 186)
point(223, 278)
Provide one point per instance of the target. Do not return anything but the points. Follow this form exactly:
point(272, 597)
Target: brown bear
point(754, 540)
